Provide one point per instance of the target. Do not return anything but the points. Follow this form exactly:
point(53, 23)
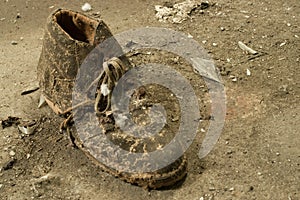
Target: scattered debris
point(96, 14)
point(86, 7)
point(42, 101)
point(8, 165)
point(229, 152)
point(233, 78)
point(28, 128)
point(43, 178)
point(190, 36)
point(282, 58)
point(18, 16)
point(211, 189)
point(29, 91)
point(178, 12)
point(14, 42)
point(246, 48)
point(163, 13)
point(10, 121)
point(248, 72)
point(282, 44)
point(37, 181)
point(284, 88)
point(46, 178)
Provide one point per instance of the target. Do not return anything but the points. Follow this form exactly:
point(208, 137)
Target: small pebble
point(190, 36)
point(12, 153)
point(1, 185)
point(214, 44)
point(201, 198)
point(277, 154)
point(222, 29)
point(86, 7)
point(248, 72)
point(259, 173)
point(14, 42)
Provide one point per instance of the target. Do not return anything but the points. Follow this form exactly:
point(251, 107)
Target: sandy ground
point(257, 155)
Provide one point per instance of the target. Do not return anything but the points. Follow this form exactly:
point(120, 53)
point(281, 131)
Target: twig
point(246, 48)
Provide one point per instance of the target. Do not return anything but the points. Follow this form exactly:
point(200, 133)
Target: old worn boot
point(69, 38)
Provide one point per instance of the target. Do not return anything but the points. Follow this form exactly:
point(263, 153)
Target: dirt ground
point(257, 155)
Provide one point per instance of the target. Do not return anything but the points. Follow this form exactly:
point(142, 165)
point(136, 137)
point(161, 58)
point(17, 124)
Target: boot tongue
point(77, 26)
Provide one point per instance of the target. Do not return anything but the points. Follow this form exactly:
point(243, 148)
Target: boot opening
point(77, 26)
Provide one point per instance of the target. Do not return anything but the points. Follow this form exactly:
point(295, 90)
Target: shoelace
point(113, 70)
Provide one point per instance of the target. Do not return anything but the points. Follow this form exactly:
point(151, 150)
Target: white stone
point(12, 153)
point(86, 7)
point(248, 72)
